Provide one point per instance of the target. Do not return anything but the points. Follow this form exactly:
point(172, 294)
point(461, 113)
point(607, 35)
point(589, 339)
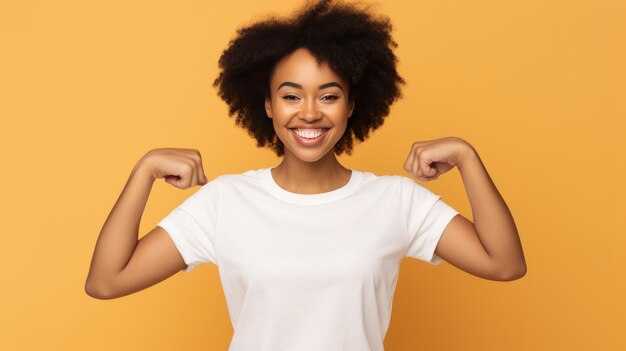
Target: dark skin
point(308, 169)
point(314, 96)
point(489, 248)
point(122, 264)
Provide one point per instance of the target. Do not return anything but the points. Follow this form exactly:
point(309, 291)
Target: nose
point(309, 111)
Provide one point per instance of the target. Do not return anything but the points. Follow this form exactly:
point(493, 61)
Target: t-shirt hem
point(438, 227)
point(175, 233)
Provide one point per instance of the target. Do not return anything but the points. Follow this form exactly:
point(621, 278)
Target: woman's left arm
point(491, 247)
point(492, 219)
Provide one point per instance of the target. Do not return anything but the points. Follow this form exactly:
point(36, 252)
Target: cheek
point(284, 107)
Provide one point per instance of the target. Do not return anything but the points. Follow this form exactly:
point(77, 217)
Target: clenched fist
point(429, 159)
point(180, 167)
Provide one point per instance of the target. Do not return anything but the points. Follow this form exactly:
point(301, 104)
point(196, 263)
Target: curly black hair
point(356, 45)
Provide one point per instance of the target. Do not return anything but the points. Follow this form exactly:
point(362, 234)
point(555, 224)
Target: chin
point(310, 155)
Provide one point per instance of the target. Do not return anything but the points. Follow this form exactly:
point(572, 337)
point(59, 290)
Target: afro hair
point(356, 45)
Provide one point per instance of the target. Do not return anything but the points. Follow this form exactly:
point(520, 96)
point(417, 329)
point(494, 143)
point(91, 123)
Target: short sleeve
point(192, 226)
point(426, 216)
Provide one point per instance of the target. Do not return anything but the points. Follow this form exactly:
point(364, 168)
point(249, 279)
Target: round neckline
point(309, 199)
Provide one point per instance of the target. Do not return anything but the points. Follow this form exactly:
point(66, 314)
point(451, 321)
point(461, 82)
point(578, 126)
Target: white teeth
point(308, 134)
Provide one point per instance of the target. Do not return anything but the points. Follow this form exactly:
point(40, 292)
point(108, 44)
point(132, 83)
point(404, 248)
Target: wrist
point(468, 155)
point(143, 171)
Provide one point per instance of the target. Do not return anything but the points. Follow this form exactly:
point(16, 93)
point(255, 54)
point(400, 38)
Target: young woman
point(308, 251)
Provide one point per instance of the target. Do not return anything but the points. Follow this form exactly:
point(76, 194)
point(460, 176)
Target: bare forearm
point(491, 216)
point(119, 235)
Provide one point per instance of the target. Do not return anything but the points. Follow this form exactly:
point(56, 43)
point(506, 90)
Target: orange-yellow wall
point(538, 87)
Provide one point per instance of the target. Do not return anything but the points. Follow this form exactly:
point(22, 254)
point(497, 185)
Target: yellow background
point(537, 87)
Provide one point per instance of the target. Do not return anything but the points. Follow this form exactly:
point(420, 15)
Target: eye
point(326, 97)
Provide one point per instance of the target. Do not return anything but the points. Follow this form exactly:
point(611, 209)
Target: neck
point(301, 177)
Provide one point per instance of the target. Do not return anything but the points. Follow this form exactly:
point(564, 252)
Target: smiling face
point(309, 106)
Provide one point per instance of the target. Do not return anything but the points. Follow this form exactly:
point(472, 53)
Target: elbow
point(92, 290)
point(98, 291)
point(508, 275)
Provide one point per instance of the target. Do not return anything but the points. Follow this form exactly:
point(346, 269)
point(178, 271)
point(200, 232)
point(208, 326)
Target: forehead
point(301, 67)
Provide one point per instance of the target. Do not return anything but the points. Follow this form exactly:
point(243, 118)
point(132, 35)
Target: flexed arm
point(490, 246)
point(122, 264)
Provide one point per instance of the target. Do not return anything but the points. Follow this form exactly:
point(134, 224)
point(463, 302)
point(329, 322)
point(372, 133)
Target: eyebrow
point(323, 86)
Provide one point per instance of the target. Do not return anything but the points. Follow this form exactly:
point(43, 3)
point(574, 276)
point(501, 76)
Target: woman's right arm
point(122, 264)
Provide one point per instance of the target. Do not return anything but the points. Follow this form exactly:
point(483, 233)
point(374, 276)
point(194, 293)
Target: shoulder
point(410, 185)
point(397, 182)
point(371, 177)
point(247, 176)
point(389, 184)
point(245, 181)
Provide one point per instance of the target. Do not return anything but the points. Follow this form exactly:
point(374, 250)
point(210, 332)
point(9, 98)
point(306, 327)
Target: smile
point(309, 137)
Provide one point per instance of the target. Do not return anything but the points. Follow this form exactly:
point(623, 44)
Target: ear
point(350, 108)
point(268, 107)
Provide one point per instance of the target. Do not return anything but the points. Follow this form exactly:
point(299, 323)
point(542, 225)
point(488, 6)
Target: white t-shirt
point(308, 271)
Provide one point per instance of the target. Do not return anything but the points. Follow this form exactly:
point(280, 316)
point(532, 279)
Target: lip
point(309, 142)
point(309, 127)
